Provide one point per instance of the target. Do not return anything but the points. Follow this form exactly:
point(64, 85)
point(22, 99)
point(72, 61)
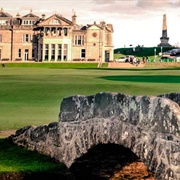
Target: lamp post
point(154, 54)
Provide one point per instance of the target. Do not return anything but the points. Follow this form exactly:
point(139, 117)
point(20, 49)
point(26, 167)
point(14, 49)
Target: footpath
point(124, 65)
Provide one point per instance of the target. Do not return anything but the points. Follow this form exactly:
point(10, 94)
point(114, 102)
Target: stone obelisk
point(164, 39)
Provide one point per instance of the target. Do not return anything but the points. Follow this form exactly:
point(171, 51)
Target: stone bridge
point(148, 125)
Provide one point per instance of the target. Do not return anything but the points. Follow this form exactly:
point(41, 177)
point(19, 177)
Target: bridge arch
point(109, 161)
point(147, 125)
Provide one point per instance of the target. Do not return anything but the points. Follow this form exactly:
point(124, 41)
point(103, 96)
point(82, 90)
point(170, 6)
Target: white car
point(121, 59)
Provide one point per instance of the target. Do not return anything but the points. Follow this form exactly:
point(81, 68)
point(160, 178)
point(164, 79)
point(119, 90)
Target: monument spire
point(164, 39)
point(164, 22)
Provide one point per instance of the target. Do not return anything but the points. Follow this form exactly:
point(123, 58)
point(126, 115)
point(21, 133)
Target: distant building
point(164, 39)
point(29, 37)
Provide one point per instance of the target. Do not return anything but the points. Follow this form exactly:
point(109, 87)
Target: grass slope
point(31, 95)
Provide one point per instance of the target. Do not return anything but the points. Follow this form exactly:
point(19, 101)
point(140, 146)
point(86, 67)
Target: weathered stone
point(148, 125)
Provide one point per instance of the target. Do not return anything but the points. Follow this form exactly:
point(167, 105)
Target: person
point(3, 65)
point(147, 59)
point(143, 59)
point(135, 61)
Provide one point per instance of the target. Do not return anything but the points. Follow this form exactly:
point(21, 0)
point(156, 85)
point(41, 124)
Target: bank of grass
point(31, 95)
point(69, 65)
point(18, 159)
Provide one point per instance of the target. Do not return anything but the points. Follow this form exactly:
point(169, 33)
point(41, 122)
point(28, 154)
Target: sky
point(135, 22)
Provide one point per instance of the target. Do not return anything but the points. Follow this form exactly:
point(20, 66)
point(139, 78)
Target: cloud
point(152, 3)
point(104, 1)
point(117, 8)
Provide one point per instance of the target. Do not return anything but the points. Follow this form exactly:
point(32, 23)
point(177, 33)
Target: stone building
point(29, 37)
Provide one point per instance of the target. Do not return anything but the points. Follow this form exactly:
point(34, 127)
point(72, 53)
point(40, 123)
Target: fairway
point(32, 96)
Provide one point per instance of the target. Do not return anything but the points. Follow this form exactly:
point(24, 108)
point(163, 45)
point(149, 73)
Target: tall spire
point(164, 39)
point(164, 28)
point(164, 22)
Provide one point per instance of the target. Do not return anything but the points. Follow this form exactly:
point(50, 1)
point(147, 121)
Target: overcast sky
point(136, 22)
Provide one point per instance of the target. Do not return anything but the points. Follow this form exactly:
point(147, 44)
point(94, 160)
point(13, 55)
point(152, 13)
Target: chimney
point(17, 15)
point(43, 16)
point(2, 10)
point(102, 23)
point(74, 19)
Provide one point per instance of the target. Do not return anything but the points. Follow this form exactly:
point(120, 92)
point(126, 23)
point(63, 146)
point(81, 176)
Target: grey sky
point(134, 21)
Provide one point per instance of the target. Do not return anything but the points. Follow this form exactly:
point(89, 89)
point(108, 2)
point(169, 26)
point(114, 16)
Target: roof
point(30, 15)
point(58, 17)
point(4, 14)
point(63, 18)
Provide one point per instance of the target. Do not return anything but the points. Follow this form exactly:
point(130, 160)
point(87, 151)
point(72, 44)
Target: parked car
point(121, 59)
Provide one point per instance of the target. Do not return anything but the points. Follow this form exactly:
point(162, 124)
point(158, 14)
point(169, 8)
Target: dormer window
point(28, 22)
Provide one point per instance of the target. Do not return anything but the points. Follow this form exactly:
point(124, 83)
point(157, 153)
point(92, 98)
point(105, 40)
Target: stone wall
point(148, 125)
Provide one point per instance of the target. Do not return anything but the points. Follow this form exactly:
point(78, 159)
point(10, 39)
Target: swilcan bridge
point(147, 125)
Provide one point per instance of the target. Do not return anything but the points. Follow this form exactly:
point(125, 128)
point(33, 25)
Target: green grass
point(18, 159)
point(70, 65)
point(30, 94)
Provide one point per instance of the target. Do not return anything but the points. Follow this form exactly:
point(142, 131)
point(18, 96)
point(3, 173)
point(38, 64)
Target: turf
point(32, 95)
point(18, 159)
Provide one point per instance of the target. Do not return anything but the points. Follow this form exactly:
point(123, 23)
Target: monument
point(164, 39)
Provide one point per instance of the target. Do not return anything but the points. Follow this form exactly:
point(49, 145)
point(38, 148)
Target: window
point(83, 53)
point(59, 51)
point(65, 51)
point(52, 51)
point(26, 37)
point(31, 22)
point(59, 31)
point(53, 31)
point(27, 22)
point(46, 51)
point(26, 54)
point(3, 22)
point(33, 53)
point(79, 40)
point(19, 53)
point(47, 30)
point(0, 37)
point(65, 31)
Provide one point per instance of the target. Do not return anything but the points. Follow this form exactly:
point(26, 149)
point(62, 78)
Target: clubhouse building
point(29, 37)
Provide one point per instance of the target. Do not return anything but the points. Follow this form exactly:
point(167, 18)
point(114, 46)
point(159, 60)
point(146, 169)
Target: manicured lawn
point(32, 95)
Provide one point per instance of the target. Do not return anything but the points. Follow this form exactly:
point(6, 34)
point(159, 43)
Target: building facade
point(29, 37)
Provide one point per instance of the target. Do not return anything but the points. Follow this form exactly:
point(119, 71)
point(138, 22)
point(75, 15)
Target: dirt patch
point(6, 133)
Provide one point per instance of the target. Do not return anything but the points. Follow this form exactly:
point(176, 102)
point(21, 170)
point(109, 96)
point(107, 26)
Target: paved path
point(123, 65)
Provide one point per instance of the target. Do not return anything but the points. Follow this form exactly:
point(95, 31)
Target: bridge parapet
point(148, 125)
point(156, 113)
